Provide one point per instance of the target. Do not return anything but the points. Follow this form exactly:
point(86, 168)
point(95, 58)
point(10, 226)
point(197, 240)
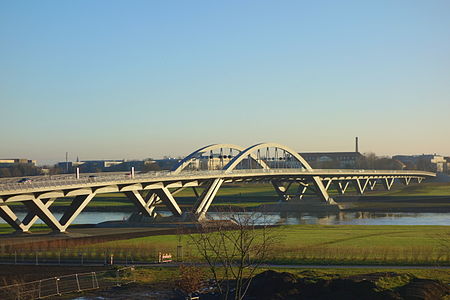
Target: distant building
point(14, 167)
point(89, 166)
point(167, 163)
point(92, 166)
point(209, 162)
point(333, 160)
point(15, 161)
point(428, 162)
point(343, 160)
point(447, 165)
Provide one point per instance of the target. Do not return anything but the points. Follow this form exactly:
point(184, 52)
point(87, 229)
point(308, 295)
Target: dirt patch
point(279, 286)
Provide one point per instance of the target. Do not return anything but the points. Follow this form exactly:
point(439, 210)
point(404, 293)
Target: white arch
point(188, 159)
point(250, 151)
point(321, 190)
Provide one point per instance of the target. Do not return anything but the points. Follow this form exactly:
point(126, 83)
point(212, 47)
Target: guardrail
point(67, 284)
point(102, 178)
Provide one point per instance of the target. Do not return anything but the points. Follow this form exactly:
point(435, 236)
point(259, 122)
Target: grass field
point(168, 274)
point(423, 189)
point(297, 244)
point(319, 244)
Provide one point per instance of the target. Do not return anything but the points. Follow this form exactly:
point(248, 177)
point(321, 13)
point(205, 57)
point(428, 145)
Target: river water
point(272, 218)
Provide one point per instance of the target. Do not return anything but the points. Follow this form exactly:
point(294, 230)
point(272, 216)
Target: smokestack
point(356, 145)
point(67, 162)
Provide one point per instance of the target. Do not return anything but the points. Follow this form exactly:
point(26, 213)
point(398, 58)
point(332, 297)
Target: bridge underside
point(147, 196)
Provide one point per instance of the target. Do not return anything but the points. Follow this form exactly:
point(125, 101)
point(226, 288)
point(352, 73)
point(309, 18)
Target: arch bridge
point(204, 170)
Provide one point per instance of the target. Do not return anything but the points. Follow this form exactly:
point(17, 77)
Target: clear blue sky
point(136, 79)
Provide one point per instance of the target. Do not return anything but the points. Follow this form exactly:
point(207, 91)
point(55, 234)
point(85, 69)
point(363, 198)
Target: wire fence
point(67, 284)
point(90, 256)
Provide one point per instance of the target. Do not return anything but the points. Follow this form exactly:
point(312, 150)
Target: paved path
point(264, 266)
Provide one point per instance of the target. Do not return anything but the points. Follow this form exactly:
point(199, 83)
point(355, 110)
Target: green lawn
point(6, 229)
point(320, 244)
point(306, 244)
point(422, 189)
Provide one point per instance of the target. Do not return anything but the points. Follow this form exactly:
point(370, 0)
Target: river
point(272, 218)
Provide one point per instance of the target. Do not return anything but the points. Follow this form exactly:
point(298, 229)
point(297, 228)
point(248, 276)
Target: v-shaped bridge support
point(282, 190)
point(204, 201)
point(406, 180)
point(388, 182)
point(40, 208)
point(342, 186)
point(372, 184)
point(361, 185)
point(11, 218)
point(145, 205)
point(30, 219)
point(317, 186)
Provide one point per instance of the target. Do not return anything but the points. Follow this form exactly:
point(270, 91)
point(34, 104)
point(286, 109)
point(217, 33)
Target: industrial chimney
point(356, 145)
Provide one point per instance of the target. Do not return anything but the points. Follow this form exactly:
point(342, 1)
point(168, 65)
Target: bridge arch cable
point(226, 153)
point(279, 156)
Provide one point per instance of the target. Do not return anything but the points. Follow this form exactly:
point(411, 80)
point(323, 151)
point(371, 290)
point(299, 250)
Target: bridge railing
point(104, 178)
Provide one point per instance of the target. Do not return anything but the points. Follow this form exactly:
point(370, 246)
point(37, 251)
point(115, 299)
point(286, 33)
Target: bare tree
point(234, 250)
point(190, 280)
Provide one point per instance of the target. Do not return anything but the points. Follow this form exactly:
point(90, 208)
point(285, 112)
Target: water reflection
point(344, 218)
point(291, 218)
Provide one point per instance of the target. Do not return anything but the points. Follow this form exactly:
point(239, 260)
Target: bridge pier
point(282, 190)
point(40, 208)
point(388, 182)
point(319, 189)
point(406, 180)
point(322, 191)
point(168, 199)
point(145, 206)
point(372, 184)
point(342, 186)
point(206, 198)
point(11, 218)
point(31, 217)
point(361, 185)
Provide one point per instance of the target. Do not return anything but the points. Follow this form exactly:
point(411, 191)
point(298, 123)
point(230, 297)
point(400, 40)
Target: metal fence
point(88, 256)
point(67, 284)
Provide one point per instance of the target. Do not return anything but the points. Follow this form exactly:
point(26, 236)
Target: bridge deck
point(40, 184)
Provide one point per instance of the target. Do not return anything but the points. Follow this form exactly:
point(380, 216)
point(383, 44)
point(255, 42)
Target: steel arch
point(188, 159)
point(250, 150)
point(321, 190)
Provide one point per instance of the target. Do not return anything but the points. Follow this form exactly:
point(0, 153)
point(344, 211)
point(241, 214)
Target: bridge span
point(205, 171)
